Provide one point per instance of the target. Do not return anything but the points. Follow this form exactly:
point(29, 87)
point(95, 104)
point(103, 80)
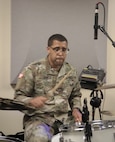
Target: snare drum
point(73, 133)
point(101, 131)
point(9, 139)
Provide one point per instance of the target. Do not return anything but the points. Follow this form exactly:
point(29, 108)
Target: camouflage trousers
point(38, 131)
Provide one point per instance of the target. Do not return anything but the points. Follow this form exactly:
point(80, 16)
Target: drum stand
point(85, 119)
point(93, 112)
point(95, 102)
point(88, 132)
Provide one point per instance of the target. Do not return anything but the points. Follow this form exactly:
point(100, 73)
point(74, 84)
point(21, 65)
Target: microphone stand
point(102, 29)
point(85, 119)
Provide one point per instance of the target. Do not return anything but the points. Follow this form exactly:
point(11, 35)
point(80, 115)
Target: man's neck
point(56, 68)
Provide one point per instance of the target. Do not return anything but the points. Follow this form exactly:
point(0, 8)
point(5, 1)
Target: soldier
point(51, 86)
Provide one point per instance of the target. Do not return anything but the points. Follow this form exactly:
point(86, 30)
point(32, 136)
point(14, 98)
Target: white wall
point(39, 19)
point(11, 121)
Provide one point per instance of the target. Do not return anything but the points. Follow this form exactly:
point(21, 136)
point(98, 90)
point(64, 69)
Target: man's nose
point(60, 52)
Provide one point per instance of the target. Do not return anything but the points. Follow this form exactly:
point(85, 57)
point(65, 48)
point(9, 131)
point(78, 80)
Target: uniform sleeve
point(75, 98)
point(24, 87)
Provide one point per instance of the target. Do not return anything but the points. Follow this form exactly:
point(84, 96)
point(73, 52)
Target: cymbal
point(110, 86)
point(109, 113)
point(9, 104)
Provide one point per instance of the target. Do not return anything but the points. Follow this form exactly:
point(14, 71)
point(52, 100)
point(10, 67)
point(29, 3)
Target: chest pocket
point(44, 83)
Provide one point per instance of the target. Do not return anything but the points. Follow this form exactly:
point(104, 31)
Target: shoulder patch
point(20, 75)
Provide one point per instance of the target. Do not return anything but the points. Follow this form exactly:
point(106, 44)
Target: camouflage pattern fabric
point(38, 132)
point(37, 79)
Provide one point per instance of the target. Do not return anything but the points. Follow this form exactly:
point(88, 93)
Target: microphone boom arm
point(102, 29)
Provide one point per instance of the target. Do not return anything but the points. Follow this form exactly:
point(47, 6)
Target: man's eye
point(57, 48)
point(64, 49)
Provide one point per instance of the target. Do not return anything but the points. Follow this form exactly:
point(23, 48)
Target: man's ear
point(48, 49)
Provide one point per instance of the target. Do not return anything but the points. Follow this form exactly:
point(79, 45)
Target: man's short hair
point(58, 37)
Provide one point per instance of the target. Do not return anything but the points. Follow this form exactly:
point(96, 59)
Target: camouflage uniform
point(38, 79)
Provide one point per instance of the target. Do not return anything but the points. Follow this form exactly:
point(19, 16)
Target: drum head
point(9, 139)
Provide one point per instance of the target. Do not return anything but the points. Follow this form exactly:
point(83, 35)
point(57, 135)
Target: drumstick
point(106, 87)
point(50, 93)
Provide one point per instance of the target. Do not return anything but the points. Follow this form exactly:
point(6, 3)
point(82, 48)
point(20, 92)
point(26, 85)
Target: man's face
point(57, 53)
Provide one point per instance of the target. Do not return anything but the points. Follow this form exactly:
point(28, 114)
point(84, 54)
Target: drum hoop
point(103, 124)
point(11, 139)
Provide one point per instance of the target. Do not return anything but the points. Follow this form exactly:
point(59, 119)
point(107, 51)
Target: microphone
point(96, 23)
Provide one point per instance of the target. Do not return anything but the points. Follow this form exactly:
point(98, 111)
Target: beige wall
point(11, 121)
point(110, 93)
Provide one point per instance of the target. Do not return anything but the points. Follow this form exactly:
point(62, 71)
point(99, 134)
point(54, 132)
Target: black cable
point(102, 28)
point(103, 12)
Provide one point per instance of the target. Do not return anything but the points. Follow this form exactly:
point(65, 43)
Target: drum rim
point(10, 139)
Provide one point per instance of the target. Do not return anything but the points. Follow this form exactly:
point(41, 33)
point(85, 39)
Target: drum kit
point(89, 131)
point(100, 129)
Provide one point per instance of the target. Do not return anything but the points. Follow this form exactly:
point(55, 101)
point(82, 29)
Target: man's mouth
point(59, 59)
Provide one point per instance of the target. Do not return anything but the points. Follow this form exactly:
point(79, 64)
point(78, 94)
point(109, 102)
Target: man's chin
point(59, 64)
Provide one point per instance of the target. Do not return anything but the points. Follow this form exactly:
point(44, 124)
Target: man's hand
point(38, 101)
point(77, 115)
